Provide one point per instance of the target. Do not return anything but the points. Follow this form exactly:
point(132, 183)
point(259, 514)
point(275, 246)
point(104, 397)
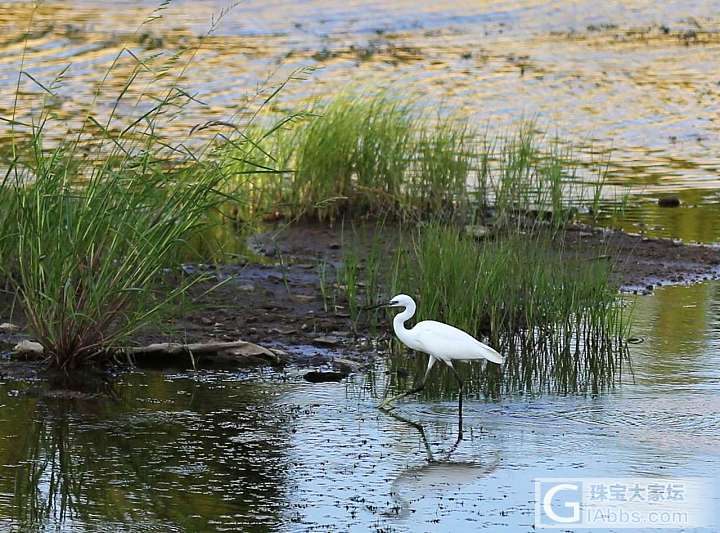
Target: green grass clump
point(357, 155)
point(90, 257)
point(444, 159)
point(527, 178)
point(556, 316)
point(259, 169)
point(106, 207)
point(353, 157)
point(378, 157)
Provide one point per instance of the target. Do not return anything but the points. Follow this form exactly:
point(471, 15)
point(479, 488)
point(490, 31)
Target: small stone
point(327, 340)
point(346, 366)
point(273, 217)
point(283, 331)
point(334, 245)
point(477, 232)
point(7, 327)
point(323, 377)
point(304, 298)
point(29, 347)
point(669, 201)
point(246, 287)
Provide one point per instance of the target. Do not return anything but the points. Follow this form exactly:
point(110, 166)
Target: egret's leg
point(460, 396)
point(421, 430)
point(417, 388)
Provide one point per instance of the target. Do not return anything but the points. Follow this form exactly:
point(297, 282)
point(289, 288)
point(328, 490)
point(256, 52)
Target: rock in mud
point(327, 340)
point(669, 201)
point(346, 366)
point(29, 347)
point(7, 327)
point(323, 377)
point(477, 232)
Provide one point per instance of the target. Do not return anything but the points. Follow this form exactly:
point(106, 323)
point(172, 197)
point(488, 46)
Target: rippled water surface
point(225, 451)
point(637, 80)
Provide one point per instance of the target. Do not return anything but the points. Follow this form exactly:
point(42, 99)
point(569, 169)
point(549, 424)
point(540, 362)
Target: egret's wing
point(444, 340)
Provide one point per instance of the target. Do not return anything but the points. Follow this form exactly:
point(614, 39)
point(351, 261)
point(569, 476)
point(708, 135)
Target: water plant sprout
point(441, 342)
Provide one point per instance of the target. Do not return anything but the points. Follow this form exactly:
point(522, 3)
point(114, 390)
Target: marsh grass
point(444, 161)
point(353, 157)
point(555, 315)
point(530, 178)
point(360, 156)
point(377, 156)
point(93, 244)
point(259, 167)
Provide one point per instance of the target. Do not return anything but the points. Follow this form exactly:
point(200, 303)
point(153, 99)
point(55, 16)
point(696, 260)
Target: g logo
point(575, 505)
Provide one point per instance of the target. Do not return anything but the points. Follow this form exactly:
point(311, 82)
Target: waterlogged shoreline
point(279, 302)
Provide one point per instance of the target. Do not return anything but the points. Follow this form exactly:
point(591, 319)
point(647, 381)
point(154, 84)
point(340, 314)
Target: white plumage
point(448, 343)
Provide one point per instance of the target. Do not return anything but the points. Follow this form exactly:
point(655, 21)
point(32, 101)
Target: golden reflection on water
point(679, 326)
point(636, 80)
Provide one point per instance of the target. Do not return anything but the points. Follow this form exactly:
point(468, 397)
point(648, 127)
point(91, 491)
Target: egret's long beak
point(384, 304)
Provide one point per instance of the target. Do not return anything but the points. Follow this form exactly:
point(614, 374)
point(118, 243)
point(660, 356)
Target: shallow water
point(636, 80)
point(254, 452)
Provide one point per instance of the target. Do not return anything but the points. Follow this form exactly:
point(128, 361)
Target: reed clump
point(555, 315)
point(91, 257)
point(104, 208)
point(359, 156)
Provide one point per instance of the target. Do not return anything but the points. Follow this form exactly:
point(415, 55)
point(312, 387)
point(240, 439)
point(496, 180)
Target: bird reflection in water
point(438, 475)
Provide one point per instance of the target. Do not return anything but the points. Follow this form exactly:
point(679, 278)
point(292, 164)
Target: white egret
point(440, 341)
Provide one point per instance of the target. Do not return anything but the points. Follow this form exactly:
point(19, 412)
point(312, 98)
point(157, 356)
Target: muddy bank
point(643, 263)
point(275, 299)
point(279, 304)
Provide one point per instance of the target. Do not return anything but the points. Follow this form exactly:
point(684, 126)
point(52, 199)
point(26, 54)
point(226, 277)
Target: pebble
point(323, 377)
point(327, 340)
point(29, 347)
point(669, 201)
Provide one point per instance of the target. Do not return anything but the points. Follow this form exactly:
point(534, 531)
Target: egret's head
point(401, 300)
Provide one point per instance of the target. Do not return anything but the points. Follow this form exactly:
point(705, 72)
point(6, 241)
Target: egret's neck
point(401, 331)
